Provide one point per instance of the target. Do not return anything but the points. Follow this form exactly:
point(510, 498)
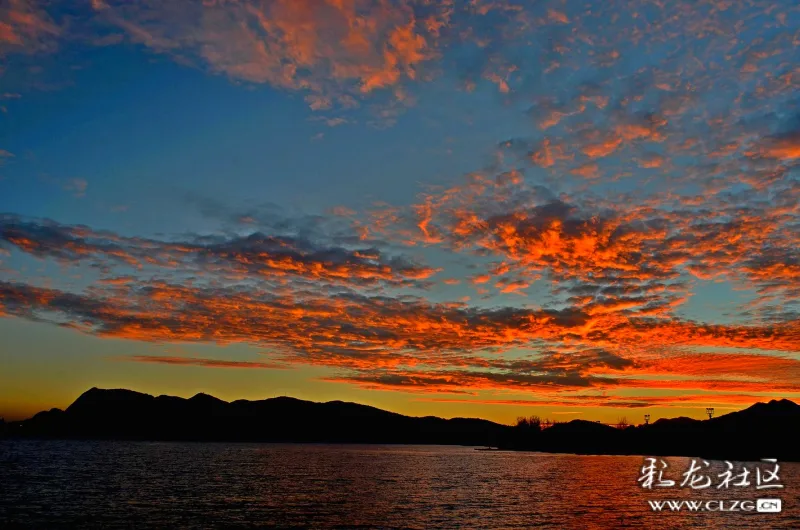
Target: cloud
point(334, 50)
point(26, 27)
point(206, 363)
point(700, 401)
point(655, 244)
point(255, 256)
point(553, 379)
point(360, 332)
point(457, 382)
point(618, 270)
point(76, 186)
point(603, 148)
point(651, 171)
point(785, 147)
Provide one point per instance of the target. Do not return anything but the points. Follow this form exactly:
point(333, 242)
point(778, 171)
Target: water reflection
point(182, 485)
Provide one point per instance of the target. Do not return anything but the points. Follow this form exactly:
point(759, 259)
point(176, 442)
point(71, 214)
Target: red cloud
point(25, 27)
point(330, 48)
point(208, 363)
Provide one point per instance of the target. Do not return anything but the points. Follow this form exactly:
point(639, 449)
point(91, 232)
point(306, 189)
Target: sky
point(478, 208)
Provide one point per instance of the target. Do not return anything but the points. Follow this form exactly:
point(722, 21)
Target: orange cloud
point(618, 247)
point(207, 363)
point(651, 160)
point(784, 148)
point(588, 171)
point(700, 401)
point(331, 48)
point(511, 286)
point(24, 27)
point(258, 255)
point(602, 149)
point(357, 325)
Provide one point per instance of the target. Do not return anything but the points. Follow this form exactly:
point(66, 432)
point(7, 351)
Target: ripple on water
point(198, 485)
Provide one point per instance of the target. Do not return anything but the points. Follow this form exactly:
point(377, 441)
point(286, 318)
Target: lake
point(49, 484)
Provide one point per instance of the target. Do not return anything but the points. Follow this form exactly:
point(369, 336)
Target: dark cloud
point(255, 256)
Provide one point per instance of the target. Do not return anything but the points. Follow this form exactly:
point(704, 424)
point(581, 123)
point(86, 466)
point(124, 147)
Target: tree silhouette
point(530, 424)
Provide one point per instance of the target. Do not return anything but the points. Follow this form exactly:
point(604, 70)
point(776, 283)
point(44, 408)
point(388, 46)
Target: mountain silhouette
point(764, 430)
point(125, 414)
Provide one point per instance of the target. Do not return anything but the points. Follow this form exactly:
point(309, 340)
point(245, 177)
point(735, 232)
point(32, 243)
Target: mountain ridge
point(763, 430)
point(128, 414)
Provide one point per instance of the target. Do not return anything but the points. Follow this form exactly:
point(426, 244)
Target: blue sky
point(458, 208)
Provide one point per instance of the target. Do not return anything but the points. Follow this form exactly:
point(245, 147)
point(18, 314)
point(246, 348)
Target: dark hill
point(125, 414)
point(764, 430)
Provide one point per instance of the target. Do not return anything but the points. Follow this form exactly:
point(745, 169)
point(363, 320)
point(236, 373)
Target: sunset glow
point(478, 208)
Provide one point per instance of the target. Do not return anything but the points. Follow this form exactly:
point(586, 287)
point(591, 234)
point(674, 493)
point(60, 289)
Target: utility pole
point(647, 419)
point(710, 412)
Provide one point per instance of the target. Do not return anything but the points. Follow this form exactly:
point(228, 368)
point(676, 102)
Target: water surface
point(204, 485)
